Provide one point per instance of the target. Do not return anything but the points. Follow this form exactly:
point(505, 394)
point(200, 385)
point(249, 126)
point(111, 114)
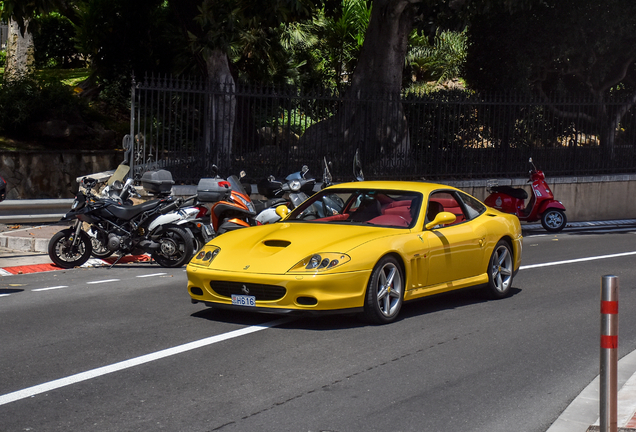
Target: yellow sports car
point(361, 247)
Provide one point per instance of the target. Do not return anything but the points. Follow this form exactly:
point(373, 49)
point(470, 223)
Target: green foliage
point(53, 40)
point(120, 37)
point(440, 61)
point(294, 120)
point(25, 101)
point(557, 46)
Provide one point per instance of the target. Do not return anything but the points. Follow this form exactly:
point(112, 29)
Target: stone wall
point(585, 198)
point(52, 174)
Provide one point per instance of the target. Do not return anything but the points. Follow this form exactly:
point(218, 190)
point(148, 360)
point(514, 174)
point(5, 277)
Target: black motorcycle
point(121, 228)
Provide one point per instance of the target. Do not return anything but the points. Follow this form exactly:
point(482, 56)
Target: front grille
point(260, 291)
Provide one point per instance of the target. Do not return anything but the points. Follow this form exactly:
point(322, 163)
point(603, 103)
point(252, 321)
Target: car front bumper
point(301, 292)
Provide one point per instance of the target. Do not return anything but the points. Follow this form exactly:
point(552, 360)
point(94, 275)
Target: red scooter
point(542, 205)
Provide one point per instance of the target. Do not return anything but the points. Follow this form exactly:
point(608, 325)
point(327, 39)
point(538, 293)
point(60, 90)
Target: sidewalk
point(23, 249)
point(28, 237)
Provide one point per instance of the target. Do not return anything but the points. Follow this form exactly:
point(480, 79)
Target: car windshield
point(390, 208)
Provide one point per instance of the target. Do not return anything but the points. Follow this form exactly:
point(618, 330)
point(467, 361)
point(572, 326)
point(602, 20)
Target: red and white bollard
point(609, 354)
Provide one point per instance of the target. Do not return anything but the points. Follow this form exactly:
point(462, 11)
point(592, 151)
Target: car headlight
point(321, 262)
point(206, 256)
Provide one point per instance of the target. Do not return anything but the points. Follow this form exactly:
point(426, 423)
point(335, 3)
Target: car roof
point(415, 186)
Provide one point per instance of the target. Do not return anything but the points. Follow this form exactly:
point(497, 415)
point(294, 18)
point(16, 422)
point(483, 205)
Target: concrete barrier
point(588, 198)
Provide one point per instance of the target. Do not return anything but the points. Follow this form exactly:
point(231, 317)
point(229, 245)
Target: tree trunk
point(221, 110)
point(371, 116)
point(20, 52)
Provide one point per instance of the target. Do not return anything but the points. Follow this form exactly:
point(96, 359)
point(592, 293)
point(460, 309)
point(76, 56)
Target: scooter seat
point(513, 192)
point(259, 205)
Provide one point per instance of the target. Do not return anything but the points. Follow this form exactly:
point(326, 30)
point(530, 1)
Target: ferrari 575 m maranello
point(362, 247)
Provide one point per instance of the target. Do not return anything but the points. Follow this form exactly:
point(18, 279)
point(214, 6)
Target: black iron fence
point(186, 125)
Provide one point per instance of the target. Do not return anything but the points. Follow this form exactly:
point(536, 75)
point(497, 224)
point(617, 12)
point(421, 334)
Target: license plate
point(243, 300)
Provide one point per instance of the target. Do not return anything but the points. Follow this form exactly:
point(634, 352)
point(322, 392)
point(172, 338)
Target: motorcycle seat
point(517, 193)
point(129, 212)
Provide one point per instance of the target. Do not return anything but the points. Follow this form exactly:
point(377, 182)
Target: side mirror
point(442, 218)
point(282, 211)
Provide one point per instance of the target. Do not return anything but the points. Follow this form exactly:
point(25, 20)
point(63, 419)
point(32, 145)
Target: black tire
point(554, 220)
point(385, 292)
point(176, 248)
point(63, 254)
point(500, 271)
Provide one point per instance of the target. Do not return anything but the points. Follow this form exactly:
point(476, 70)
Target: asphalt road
point(94, 345)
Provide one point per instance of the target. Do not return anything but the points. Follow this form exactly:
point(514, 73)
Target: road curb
point(92, 262)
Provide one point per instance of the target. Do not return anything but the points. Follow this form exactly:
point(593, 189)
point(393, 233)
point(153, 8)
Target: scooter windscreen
point(237, 186)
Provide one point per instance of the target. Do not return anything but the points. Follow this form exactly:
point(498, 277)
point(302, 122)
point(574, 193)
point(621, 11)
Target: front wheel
point(175, 248)
point(385, 292)
point(66, 255)
point(500, 271)
point(553, 220)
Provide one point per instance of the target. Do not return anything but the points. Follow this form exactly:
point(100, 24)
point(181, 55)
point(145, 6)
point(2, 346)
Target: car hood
point(276, 248)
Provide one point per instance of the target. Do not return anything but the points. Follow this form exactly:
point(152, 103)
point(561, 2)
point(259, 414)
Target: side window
point(445, 201)
point(473, 207)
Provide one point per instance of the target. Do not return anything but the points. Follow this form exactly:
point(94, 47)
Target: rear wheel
point(554, 220)
point(175, 248)
point(500, 271)
point(66, 255)
point(385, 292)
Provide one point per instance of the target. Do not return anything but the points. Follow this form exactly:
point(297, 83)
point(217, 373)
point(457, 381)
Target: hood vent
point(277, 243)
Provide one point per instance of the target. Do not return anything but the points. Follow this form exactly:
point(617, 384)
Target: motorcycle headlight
point(205, 256)
point(294, 185)
point(321, 262)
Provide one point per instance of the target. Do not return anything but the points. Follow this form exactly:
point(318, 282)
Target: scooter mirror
point(357, 167)
point(530, 160)
point(326, 176)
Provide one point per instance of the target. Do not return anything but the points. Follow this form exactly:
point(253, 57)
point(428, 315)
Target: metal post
point(131, 139)
point(609, 354)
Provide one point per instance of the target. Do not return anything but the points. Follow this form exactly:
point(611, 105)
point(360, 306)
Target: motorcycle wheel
point(553, 220)
point(175, 248)
point(64, 254)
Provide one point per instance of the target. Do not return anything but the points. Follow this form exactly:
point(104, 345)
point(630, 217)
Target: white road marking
point(4, 295)
point(102, 281)
point(50, 288)
point(524, 267)
point(126, 364)
point(151, 275)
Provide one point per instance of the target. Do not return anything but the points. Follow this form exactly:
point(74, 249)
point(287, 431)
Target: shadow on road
point(335, 321)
